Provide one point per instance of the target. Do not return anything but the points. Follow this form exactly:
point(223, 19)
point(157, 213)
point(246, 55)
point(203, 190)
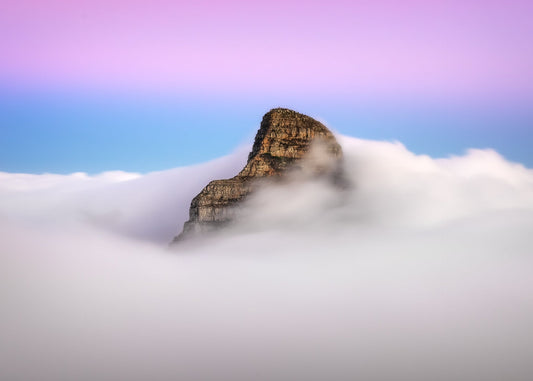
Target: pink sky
point(329, 47)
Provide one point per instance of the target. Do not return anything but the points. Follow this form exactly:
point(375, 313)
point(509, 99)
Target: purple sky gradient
point(424, 48)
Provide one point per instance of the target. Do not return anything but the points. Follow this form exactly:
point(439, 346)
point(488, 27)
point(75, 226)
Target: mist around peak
point(420, 269)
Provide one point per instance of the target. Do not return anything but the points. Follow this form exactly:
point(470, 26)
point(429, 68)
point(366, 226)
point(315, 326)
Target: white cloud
point(422, 270)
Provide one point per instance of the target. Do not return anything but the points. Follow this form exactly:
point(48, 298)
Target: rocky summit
point(287, 142)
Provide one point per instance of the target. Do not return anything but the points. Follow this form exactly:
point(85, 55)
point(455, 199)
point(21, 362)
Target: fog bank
point(421, 269)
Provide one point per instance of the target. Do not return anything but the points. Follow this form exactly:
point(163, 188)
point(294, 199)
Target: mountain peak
point(284, 138)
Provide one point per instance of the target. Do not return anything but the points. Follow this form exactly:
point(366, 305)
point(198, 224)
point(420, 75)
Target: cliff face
point(284, 138)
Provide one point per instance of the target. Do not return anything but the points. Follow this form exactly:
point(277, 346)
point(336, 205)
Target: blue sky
point(64, 132)
point(148, 85)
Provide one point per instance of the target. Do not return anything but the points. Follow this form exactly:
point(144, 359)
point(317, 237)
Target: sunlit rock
point(287, 142)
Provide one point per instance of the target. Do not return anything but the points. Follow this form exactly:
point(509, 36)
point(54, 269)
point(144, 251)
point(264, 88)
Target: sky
point(115, 114)
point(143, 86)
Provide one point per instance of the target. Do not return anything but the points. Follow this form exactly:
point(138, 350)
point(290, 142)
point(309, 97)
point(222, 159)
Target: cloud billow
point(421, 269)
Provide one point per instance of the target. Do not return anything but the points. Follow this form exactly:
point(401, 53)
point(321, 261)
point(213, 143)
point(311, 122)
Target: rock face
point(284, 138)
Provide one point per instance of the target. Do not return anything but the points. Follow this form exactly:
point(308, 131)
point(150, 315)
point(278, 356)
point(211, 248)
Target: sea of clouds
point(421, 269)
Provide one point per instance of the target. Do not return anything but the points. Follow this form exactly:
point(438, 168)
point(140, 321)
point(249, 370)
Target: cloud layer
point(420, 270)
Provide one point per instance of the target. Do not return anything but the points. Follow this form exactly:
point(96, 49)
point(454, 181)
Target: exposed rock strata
point(284, 138)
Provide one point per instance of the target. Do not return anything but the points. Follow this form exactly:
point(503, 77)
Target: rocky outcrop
point(283, 140)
